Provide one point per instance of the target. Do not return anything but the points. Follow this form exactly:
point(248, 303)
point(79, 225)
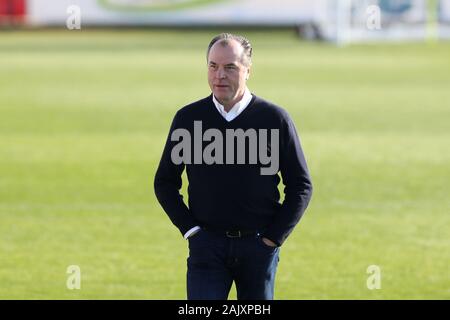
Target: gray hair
point(224, 38)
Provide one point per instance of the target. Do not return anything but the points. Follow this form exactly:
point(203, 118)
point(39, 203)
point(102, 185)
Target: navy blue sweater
point(235, 196)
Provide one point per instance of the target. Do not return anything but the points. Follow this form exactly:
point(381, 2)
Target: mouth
point(221, 86)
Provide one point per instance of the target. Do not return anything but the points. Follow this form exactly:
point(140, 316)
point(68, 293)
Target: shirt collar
point(238, 107)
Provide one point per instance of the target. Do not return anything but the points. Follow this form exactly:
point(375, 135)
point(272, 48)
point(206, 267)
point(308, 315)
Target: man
point(235, 224)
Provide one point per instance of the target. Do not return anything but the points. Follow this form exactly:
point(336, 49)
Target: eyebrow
point(227, 65)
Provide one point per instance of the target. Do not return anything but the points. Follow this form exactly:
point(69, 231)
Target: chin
point(221, 97)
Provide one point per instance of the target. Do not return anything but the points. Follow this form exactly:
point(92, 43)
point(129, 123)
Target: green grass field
point(83, 118)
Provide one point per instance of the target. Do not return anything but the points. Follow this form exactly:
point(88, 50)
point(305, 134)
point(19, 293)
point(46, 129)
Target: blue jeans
point(215, 261)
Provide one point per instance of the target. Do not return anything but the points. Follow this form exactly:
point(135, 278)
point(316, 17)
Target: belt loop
point(231, 234)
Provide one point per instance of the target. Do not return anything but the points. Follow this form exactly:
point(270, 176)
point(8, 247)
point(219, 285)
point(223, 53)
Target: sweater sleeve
point(297, 184)
point(167, 185)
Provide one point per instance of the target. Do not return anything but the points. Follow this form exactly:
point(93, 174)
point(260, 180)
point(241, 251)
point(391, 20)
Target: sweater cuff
point(191, 231)
point(278, 240)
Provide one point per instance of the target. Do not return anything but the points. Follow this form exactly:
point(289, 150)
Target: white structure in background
point(177, 12)
point(341, 21)
point(443, 19)
point(399, 20)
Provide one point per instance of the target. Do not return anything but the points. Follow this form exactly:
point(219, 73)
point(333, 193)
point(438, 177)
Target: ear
point(248, 73)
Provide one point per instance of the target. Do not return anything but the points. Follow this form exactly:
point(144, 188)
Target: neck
point(229, 105)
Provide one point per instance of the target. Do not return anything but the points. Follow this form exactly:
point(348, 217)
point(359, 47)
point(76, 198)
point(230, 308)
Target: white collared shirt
point(229, 116)
point(237, 108)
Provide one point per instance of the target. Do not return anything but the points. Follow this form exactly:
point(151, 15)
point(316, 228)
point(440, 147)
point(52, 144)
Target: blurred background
point(88, 90)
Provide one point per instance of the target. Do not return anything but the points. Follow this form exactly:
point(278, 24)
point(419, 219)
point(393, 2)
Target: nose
point(220, 74)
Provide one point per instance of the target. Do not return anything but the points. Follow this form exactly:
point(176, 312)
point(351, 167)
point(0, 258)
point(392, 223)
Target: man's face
point(227, 75)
